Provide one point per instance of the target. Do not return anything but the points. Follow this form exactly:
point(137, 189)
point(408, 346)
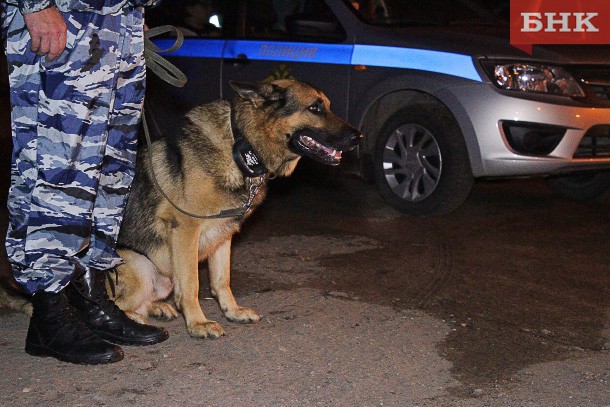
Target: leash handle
point(159, 65)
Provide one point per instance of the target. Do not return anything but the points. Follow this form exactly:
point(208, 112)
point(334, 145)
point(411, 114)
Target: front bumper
point(480, 111)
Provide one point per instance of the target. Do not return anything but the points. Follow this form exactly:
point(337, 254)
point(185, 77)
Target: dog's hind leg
point(219, 263)
point(163, 309)
point(185, 263)
point(135, 291)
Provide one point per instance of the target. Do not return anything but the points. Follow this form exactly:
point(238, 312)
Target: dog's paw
point(139, 318)
point(242, 315)
point(163, 310)
point(209, 329)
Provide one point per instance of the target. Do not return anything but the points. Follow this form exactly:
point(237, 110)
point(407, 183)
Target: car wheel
point(581, 187)
point(420, 163)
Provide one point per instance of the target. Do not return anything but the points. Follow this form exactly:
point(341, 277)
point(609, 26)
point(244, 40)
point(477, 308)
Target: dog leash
point(168, 72)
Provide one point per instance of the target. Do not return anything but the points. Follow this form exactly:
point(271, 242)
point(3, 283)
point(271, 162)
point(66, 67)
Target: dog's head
point(287, 119)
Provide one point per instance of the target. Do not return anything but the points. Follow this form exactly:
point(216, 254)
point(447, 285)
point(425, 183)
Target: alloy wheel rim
point(412, 162)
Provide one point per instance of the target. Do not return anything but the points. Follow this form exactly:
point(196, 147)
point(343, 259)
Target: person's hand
point(48, 31)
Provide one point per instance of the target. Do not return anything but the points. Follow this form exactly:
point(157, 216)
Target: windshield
point(407, 12)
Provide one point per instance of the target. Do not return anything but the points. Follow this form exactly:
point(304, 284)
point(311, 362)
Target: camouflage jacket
point(94, 6)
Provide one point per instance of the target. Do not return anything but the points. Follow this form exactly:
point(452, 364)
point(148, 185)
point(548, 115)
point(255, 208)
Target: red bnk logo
point(559, 22)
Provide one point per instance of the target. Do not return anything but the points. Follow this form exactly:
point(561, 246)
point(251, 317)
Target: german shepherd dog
point(219, 160)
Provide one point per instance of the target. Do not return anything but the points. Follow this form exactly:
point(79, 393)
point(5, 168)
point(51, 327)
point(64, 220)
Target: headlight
point(536, 78)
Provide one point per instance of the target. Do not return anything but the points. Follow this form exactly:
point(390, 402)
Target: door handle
point(239, 60)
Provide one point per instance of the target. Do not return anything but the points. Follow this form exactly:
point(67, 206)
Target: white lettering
point(529, 19)
point(580, 22)
point(532, 22)
point(563, 21)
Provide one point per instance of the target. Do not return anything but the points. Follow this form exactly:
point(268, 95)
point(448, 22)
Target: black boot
point(88, 295)
point(57, 330)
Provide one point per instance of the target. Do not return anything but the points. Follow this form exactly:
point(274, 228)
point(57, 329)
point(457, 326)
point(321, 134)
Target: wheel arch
point(384, 100)
point(385, 106)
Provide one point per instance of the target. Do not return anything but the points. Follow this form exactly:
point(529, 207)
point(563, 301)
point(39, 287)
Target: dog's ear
point(258, 93)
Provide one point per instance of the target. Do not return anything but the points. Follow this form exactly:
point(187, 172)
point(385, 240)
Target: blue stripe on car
point(420, 59)
point(194, 48)
point(341, 54)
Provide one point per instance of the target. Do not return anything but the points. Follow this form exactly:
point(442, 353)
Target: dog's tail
point(10, 295)
point(14, 300)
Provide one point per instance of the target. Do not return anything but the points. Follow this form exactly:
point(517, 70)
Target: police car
point(436, 88)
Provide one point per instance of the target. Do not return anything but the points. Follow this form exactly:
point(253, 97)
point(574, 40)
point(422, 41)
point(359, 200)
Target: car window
point(286, 20)
point(195, 18)
point(305, 20)
point(412, 12)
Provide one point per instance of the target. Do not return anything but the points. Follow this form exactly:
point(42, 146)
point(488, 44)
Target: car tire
point(581, 187)
point(420, 163)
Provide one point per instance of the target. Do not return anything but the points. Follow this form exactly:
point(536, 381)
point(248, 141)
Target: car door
point(298, 39)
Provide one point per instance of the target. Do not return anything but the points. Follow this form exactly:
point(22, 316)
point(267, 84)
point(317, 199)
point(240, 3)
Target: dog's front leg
point(219, 263)
point(185, 262)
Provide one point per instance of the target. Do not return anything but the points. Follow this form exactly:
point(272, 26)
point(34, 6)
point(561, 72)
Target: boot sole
point(43, 351)
point(139, 341)
point(136, 341)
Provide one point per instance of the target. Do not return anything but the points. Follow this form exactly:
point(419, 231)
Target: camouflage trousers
point(74, 127)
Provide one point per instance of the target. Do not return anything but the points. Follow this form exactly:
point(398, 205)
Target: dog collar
point(244, 154)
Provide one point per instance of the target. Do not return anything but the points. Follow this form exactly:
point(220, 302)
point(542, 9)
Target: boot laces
point(101, 299)
point(68, 320)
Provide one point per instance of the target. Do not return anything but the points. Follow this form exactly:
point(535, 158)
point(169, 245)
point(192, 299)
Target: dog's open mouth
point(307, 146)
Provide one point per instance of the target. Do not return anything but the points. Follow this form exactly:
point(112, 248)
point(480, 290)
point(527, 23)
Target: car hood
point(484, 41)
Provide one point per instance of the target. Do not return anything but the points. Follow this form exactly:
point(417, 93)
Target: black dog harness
point(248, 162)
point(244, 154)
